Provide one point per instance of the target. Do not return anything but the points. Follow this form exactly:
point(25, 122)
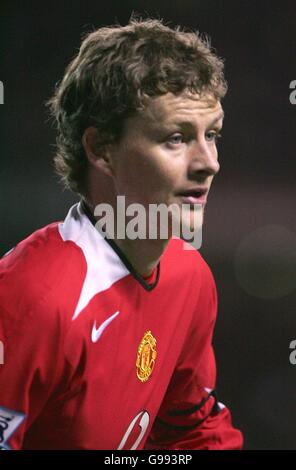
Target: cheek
point(175, 170)
point(165, 176)
point(150, 172)
point(169, 167)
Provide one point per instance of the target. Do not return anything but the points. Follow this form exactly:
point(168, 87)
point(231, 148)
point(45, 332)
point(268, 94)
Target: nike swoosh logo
point(96, 333)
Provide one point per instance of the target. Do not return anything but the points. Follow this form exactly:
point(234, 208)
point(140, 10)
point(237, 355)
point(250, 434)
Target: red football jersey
point(96, 357)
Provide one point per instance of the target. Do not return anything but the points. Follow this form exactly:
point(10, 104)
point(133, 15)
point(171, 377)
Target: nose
point(204, 159)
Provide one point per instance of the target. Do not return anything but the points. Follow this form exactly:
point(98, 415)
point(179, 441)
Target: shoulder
point(188, 273)
point(35, 275)
point(187, 261)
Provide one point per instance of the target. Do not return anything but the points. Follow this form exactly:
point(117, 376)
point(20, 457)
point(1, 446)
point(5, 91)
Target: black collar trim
point(148, 287)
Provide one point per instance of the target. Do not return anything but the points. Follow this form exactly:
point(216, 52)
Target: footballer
point(108, 340)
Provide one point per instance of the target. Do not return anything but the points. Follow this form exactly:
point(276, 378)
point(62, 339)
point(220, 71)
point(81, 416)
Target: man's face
point(167, 153)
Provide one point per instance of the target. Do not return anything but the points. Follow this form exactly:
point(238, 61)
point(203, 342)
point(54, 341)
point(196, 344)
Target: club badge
point(146, 356)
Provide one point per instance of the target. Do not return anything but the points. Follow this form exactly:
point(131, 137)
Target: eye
point(213, 136)
point(176, 139)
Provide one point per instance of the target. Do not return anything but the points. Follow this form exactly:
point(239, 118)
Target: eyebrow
point(189, 123)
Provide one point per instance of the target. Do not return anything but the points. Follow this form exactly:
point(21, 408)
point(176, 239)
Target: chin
point(189, 226)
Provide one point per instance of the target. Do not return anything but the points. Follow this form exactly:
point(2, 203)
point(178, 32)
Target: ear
point(97, 153)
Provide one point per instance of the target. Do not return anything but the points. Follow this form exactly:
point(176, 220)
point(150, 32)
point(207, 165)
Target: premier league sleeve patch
point(9, 422)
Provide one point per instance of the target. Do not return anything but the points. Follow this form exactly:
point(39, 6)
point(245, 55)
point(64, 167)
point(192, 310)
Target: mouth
point(196, 195)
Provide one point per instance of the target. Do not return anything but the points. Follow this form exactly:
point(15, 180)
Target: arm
point(28, 373)
point(191, 416)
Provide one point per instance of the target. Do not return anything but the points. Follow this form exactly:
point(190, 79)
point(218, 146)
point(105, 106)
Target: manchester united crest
point(146, 356)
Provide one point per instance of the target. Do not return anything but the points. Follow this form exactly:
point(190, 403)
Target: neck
point(143, 255)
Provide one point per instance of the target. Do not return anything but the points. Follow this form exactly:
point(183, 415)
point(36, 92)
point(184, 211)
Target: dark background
point(250, 231)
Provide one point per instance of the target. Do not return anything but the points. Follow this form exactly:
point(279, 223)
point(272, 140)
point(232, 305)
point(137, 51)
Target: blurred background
point(249, 238)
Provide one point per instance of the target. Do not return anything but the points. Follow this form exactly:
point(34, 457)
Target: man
point(108, 339)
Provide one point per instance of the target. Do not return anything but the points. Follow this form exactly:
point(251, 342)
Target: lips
point(196, 195)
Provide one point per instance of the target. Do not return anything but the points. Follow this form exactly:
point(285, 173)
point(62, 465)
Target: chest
point(123, 347)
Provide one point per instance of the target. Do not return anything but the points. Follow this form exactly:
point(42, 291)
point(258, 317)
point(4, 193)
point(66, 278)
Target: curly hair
point(116, 70)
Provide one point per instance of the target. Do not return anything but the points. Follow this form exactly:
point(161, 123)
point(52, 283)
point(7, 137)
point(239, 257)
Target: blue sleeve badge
point(9, 422)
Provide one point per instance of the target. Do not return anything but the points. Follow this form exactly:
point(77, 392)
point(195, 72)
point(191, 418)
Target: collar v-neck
point(144, 281)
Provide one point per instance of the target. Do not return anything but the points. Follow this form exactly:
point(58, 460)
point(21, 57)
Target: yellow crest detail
point(146, 356)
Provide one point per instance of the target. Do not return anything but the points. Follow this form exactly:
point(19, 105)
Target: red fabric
point(76, 394)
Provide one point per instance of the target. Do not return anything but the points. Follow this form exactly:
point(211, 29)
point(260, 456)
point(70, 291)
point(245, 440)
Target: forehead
point(185, 106)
